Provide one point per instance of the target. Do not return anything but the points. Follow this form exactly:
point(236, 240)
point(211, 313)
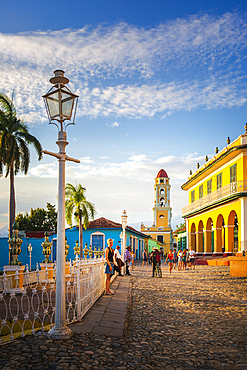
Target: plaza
point(139, 145)
point(189, 320)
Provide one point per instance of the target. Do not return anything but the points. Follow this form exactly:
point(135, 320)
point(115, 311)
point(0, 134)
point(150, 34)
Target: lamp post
point(61, 105)
point(30, 248)
point(124, 219)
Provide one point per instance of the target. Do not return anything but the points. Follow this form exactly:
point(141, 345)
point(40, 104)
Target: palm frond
point(24, 155)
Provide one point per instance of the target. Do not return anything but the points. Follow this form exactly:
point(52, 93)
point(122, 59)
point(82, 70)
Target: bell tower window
point(162, 202)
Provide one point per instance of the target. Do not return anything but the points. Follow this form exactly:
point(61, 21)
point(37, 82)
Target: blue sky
point(161, 84)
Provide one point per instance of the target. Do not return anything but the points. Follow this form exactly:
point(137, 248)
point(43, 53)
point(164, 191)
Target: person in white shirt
point(118, 259)
point(180, 255)
point(192, 257)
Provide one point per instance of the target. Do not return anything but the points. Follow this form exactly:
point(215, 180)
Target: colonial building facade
point(162, 212)
point(216, 216)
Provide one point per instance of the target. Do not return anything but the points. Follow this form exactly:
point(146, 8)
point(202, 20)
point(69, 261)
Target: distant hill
point(4, 231)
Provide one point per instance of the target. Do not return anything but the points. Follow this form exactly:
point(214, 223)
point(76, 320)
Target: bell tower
point(162, 212)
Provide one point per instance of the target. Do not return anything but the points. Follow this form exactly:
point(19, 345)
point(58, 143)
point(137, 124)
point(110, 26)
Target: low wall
point(238, 266)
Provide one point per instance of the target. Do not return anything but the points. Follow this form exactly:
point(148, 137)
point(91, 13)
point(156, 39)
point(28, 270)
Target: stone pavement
point(108, 314)
point(189, 320)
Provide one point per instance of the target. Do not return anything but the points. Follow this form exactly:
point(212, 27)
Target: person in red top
point(169, 259)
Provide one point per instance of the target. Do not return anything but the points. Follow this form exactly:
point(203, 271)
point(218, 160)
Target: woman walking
point(184, 259)
point(169, 259)
point(109, 266)
point(180, 260)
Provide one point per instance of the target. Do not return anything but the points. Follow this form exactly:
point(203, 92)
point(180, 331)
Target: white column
point(243, 222)
point(187, 233)
point(60, 330)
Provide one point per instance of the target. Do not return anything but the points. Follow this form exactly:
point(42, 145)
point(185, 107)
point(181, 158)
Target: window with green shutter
point(201, 191)
point(209, 186)
point(219, 181)
point(192, 196)
point(233, 173)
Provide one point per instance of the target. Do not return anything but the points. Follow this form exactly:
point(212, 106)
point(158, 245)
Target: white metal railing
point(27, 302)
point(220, 194)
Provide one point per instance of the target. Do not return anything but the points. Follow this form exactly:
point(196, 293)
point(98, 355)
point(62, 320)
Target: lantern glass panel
point(67, 104)
point(53, 104)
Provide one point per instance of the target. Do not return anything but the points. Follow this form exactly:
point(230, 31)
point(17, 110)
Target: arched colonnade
point(214, 235)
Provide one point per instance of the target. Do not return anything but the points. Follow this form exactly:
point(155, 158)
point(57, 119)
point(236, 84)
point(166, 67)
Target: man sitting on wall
point(118, 259)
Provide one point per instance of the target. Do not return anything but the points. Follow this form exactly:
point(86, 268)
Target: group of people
point(183, 258)
point(114, 262)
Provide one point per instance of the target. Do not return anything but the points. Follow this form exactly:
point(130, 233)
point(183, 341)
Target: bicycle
point(158, 271)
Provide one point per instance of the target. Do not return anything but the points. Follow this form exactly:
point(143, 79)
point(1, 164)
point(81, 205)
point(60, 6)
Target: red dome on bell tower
point(162, 173)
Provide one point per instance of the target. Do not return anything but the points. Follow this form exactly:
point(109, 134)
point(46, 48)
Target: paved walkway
point(108, 314)
point(189, 320)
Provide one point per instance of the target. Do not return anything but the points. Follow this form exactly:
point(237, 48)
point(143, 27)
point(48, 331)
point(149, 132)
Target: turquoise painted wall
point(72, 235)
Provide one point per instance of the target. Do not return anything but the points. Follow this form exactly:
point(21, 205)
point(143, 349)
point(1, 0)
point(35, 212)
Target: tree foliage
point(77, 207)
point(14, 147)
point(39, 219)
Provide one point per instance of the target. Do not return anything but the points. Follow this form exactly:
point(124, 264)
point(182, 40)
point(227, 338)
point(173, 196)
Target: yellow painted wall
point(223, 210)
point(162, 221)
point(225, 170)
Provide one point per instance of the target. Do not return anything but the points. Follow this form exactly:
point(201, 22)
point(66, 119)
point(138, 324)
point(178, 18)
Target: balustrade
point(220, 194)
point(33, 307)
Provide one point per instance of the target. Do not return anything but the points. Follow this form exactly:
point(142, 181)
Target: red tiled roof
point(182, 229)
point(162, 173)
point(104, 223)
point(37, 234)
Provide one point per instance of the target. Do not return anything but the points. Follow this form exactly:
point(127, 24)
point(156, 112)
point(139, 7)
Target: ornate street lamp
point(30, 248)
point(61, 105)
point(124, 220)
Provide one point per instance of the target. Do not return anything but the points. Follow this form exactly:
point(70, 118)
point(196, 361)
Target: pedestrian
point(127, 260)
point(118, 259)
point(108, 266)
point(180, 260)
point(145, 258)
point(155, 257)
point(174, 258)
point(132, 259)
point(169, 260)
point(184, 259)
point(192, 257)
point(149, 258)
point(188, 259)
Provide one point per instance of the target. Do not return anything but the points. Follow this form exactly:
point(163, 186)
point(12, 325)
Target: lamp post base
point(60, 333)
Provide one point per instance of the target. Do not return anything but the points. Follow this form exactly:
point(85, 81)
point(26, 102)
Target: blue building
point(97, 234)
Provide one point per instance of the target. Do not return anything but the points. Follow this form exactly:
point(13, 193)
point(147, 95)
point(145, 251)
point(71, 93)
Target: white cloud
point(114, 124)
point(135, 171)
point(104, 157)
point(208, 50)
point(48, 170)
point(111, 186)
point(86, 160)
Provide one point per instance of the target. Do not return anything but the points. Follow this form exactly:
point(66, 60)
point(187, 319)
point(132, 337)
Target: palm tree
point(78, 206)
point(14, 151)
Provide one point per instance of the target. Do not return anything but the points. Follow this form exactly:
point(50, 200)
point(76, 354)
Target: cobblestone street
point(189, 320)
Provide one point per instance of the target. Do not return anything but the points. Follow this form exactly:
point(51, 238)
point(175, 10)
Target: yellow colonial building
point(162, 212)
point(216, 216)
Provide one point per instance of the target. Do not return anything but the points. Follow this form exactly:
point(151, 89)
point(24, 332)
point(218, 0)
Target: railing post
point(78, 289)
